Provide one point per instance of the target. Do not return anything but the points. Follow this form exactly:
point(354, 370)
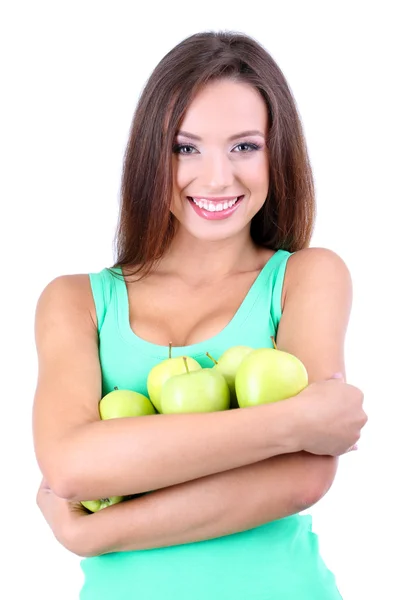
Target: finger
point(354, 447)
point(337, 376)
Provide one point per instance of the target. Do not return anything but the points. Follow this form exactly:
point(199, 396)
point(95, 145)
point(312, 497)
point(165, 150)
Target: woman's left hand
point(64, 517)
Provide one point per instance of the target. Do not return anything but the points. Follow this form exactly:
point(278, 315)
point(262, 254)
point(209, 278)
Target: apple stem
point(185, 362)
point(211, 358)
point(115, 388)
point(170, 349)
point(274, 343)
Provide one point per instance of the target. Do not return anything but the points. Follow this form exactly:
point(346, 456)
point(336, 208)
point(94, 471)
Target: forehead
point(223, 107)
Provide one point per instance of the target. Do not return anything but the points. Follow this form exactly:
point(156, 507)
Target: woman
point(213, 251)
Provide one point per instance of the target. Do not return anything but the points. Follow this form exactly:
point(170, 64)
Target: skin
point(316, 303)
point(220, 166)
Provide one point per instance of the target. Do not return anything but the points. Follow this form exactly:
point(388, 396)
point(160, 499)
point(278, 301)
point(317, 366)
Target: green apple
point(203, 390)
point(268, 375)
point(96, 505)
point(228, 364)
point(125, 403)
point(114, 405)
point(161, 372)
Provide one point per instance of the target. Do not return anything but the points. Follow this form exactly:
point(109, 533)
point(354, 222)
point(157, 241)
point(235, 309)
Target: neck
point(201, 261)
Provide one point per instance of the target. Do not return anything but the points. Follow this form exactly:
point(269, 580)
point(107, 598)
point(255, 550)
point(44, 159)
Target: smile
point(210, 206)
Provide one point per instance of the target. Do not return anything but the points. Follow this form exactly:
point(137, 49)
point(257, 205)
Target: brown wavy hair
point(146, 226)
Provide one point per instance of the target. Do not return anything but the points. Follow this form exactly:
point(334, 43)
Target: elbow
point(57, 475)
point(64, 467)
point(62, 487)
point(309, 496)
point(317, 482)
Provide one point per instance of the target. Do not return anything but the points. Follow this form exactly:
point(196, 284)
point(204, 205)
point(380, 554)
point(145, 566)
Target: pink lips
point(215, 215)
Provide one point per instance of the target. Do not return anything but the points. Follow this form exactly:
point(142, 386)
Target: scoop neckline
point(199, 348)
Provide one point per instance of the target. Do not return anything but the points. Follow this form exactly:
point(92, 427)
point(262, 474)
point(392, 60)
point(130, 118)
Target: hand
point(63, 517)
point(332, 417)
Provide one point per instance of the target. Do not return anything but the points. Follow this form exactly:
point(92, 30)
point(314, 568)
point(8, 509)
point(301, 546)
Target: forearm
point(214, 506)
point(127, 456)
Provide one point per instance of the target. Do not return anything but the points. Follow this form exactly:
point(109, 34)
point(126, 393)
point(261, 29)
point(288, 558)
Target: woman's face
point(220, 161)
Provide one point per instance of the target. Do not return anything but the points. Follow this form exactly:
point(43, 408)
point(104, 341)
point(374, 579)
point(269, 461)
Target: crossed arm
point(316, 308)
point(209, 507)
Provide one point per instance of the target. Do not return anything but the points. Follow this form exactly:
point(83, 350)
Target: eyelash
point(178, 147)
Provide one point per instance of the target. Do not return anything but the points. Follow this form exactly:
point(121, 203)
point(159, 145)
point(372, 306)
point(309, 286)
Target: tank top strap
point(101, 286)
point(277, 282)
point(263, 298)
point(266, 292)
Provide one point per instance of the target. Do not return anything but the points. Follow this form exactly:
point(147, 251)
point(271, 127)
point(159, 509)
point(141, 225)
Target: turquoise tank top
point(276, 561)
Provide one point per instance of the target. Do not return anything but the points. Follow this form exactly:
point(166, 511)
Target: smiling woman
point(217, 117)
point(216, 217)
point(221, 160)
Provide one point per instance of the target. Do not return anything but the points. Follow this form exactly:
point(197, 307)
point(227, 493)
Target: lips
point(218, 210)
point(214, 204)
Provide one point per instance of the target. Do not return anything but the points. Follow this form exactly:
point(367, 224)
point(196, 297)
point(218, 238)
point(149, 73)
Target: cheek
point(256, 175)
point(182, 174)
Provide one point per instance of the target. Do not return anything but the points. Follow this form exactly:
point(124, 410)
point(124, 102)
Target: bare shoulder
point(63, 290)
point(316, 269)
point(316, 310)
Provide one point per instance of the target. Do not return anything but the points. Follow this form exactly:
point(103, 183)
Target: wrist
point(288, 425)
point(271, 429)
point(297, 419)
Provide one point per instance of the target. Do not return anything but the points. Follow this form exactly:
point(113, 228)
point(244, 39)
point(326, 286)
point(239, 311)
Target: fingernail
point(337, 376)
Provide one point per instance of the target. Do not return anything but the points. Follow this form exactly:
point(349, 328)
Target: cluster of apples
point(241, 377)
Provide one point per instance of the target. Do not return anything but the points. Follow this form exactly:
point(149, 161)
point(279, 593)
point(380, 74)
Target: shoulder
point(322, 261)
point(68, 290)
point(313, 269)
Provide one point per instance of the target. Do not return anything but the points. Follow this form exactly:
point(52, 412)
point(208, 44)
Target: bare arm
point(83, 457)
point(206, 508)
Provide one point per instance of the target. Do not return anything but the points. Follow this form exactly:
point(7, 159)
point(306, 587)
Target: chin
point(209, 233)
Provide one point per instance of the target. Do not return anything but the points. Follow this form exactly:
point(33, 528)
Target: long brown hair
point(146, 226)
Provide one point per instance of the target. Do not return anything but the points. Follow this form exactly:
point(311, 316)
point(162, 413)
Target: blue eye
point(178, 148)
point(250, 147)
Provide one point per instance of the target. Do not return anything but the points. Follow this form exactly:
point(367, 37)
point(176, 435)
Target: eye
point(183, 149)
point(248, 147)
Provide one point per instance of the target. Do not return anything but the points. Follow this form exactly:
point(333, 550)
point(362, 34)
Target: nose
point(217, 172)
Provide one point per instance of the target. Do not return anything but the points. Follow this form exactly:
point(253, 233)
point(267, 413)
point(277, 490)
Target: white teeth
point(210, 206)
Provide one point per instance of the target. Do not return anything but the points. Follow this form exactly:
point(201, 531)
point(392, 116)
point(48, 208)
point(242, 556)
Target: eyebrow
point(232, 137)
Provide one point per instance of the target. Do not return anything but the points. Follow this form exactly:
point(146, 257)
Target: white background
point(71, 74)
